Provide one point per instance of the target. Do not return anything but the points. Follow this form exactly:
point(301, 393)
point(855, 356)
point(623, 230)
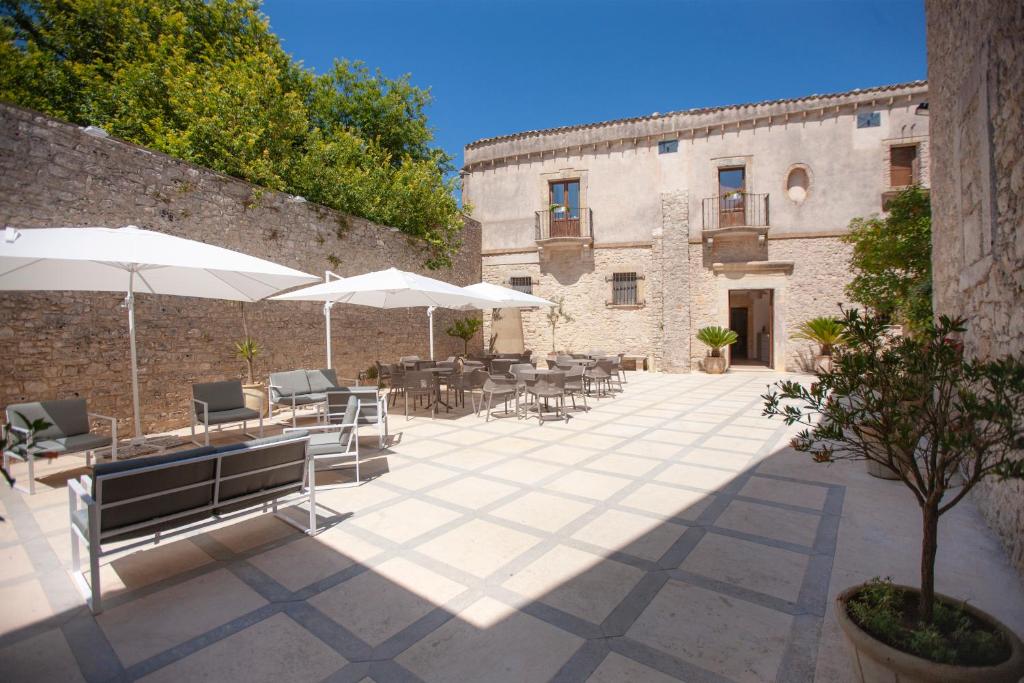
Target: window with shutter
point(902, 165)
point(625, 290)
point(521, 284)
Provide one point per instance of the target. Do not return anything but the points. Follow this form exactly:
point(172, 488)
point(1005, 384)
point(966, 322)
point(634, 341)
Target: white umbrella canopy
point(131, 260)
point(391, 288)
point(505, 297)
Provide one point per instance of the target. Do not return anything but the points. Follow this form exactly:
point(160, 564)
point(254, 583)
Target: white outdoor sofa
point(152, 497)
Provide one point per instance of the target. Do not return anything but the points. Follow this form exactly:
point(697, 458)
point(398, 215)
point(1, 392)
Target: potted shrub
point(827, 333)
point(940, 423)
point(716, 339)
point(255, 393)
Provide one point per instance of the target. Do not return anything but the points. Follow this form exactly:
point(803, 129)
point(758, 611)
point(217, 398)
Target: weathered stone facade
point(650, 197)
point(59, 345)
point(976, 63)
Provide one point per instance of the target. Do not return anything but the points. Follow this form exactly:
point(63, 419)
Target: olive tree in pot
point(827, 333)
point(716, 339)
point(465, 329)
point(940, 423)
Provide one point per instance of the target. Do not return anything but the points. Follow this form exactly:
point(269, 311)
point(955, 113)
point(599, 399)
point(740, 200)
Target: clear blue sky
point(502, 66)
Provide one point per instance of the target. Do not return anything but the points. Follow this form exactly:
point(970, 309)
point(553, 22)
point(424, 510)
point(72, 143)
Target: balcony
point(735, 214)
point(564, 228)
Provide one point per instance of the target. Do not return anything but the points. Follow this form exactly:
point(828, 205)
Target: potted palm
point(940, 424)
point(255, 393)
point(716, 339)
point(827, 333)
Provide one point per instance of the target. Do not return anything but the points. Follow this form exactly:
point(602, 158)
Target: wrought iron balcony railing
point(736, 210)
point(566, 223)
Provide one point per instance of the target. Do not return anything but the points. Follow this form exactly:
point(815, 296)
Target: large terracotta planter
point(255, 398)
point(714, 365)
point(876, 662)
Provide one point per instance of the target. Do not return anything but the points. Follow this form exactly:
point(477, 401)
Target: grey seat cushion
point(71, 444)
point(67, 417)
point(328, 442)
point(234, 415)
point(220, 395)
point(250, 482)
point(322, 380)
point(292, 383)
point(300, 399)
point(337, 403)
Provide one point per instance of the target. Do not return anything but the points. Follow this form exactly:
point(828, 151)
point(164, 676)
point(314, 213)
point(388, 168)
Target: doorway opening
point(750, 316)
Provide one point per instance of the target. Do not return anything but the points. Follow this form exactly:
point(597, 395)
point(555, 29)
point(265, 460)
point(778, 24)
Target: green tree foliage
point(207, 82)
point(465, 329)
point(825, 332)
point(892, 260)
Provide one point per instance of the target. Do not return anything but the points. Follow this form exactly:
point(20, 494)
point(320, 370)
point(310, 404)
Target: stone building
point(656, 226)
point(976, 67)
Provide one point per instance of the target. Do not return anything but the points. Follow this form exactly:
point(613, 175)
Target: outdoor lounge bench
point(151, 496)
point(218, 403)
point(302, 388)
point(68, 431)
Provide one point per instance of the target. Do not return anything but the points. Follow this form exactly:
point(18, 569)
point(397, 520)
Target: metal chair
point(545, 387)
point(504, 387)
point(599, 374)
point(218, 403)
point(499, 366)
point(419, 384)
point(575, 384)
point(336, 440)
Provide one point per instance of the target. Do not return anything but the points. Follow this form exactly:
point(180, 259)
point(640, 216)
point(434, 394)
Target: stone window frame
point(641, 287)
point(920, 143)
point(579, 174)
point(745, 161)
point(521, 276)
point(785, 181)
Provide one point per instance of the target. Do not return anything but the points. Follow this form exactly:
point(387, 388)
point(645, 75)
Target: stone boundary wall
point(61, 345)
point(976, 66)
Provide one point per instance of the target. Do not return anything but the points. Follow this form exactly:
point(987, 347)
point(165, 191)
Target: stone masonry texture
point(976, 67)
point(61, 345)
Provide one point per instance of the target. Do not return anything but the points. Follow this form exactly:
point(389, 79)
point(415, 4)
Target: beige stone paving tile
point(668, 501)
point(542, 511)
point(475, 458)
point(422, 427)
point(650, 449)
point(562, 454)
point(312, 558)
point(418, 476)
point(670, 437)
point(382, 601)
point(762, 520)
point(593, 441)
point(478, 547)
point(500, 426)
point(522, 471)
point(404, 520)
point(53, 518)
point(487, 642)
point(45, 657)
point(275, 649)
point(588, 484)
point(616, 429)
point(785, 492)
point(150, 564)
point(583, 584)
point(737, 639)
point(344, 499)
point(14, 562)
point(737, 462)
point(466, 437)
point(473, 492)
point(755, 566)
point(512, 445)
point(24, 603)
point(644, 421)
point(415, 447)
point(252, 532)
point(734, 445)
point(703, 478)
point(632, 534)
point(618, 669)
point(616, 463)
point(749, 432)
point(151, 624)
point(683, 425)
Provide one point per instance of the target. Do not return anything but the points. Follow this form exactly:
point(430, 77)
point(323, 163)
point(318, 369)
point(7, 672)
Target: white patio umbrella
point(505, 297)
point(133, 260)
point(391, 288)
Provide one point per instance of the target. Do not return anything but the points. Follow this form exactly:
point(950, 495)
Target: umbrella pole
point(430, 319)
point(130, 303)
point(327, 323)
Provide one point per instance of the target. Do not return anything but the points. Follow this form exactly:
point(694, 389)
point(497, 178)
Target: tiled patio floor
point(667, 534)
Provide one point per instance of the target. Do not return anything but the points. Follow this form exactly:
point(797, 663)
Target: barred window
point(522, 284)
point(624, 289)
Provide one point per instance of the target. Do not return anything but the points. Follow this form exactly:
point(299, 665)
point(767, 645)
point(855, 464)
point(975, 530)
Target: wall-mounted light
point(922, 109)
